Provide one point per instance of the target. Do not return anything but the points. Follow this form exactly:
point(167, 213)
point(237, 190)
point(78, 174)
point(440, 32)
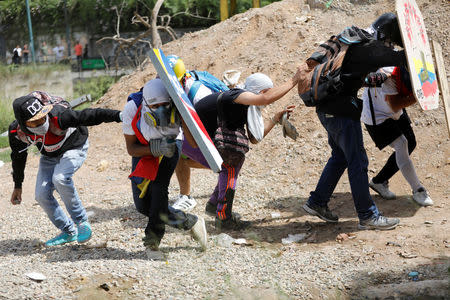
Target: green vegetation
point(4, 142)
point(48, 15)
point(6, 113)
point(5, 155)
point(26, 70)
point(96, 86)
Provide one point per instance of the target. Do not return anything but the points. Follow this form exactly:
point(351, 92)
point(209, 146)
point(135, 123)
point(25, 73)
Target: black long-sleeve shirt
point(359, 60)
point(67, 131)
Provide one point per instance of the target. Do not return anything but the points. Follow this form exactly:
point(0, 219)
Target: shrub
point(96, 86)
point(6, 114)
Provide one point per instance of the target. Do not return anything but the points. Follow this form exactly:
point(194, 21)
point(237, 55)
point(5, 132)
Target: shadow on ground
point(77, 252)
point(432, 282)
point(342, 204)
point(293, 220)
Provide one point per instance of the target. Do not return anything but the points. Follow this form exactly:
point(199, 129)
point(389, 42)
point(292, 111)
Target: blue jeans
point(55, 173)
point(347, 151)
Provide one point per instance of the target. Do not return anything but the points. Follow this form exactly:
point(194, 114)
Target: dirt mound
point(274, 40)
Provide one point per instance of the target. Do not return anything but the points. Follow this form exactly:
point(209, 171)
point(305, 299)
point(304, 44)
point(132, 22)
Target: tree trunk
point(156, 39)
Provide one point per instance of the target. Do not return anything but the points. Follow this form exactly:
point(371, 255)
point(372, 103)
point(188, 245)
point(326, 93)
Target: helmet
point(177, 65)
point(386, 27)
point(154, 92)
point(172, 60)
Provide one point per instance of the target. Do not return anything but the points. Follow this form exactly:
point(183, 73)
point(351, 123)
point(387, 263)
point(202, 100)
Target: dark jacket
point(359, 60)
point(66, 131)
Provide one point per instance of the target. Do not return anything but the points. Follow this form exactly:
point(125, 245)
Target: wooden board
point(418, 54)
point(186, 109)
point(442, 76)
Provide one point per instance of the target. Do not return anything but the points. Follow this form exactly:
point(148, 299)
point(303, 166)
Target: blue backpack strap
point(136, 97)
point(194, 89)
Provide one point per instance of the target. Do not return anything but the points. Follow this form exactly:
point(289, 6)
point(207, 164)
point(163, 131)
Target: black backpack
point(324, 73)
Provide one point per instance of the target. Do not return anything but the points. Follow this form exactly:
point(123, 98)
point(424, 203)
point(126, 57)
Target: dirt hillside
point(276, 178)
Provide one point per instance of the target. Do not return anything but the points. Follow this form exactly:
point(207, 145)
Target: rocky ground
point(329, 262)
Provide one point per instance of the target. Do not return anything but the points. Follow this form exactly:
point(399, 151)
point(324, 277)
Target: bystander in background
point(44, 51)
point(17, 54)
point(79, 54)
point(25, 53)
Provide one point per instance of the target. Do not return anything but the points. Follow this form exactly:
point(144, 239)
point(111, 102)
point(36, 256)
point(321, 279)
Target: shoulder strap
point(194, 89)
point(136, 127)
point(372, 111)
point(220, 120)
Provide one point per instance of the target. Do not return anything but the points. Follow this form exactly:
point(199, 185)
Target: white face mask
point(42, 129)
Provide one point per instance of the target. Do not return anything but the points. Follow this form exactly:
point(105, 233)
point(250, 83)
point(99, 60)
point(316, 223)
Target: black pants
point(390, 168)
point(155, 204)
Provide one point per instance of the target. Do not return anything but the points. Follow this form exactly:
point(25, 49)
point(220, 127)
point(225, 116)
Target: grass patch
point(6, 71)
point(96, 86)
point(5, 155)
point(4, 142)
point(6, 114)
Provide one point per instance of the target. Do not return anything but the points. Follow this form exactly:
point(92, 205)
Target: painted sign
point(418, 54)
point(442, 75)
point(186, 109)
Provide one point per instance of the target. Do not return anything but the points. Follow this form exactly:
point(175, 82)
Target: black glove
point(159, 147)
point(375, 79)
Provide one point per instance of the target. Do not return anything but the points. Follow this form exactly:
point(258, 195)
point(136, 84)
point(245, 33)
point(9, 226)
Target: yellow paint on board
point(158, 55)
point(418, 65)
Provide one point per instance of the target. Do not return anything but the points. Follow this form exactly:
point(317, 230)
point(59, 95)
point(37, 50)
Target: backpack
point(46, 99)
point(136, 97)
point(324, 66)
point(208, 80)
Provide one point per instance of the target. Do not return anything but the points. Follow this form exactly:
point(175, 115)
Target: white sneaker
point(198, 232)
point(382, 189)
point(185, 203)
point(421, 196)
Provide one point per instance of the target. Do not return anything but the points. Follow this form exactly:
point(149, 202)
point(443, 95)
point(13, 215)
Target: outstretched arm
point(88, 117)
point(273, 94)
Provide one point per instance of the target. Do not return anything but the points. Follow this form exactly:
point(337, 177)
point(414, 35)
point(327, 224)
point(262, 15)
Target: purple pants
point(223, 194)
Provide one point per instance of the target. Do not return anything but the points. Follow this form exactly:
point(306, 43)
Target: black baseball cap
point(29, 108)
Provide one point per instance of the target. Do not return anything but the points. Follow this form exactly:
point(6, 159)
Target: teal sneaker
point(61, 239)
point(84, 232)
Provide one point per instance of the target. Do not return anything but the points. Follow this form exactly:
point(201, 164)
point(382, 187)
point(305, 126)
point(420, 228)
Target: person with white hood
point(236, 109)
point(151, 124)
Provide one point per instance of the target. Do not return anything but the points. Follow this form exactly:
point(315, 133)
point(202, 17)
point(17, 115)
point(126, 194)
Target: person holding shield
point(151, 124)
point(387, 122)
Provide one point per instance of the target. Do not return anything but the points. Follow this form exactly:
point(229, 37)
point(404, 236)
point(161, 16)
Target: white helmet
point(155, 92)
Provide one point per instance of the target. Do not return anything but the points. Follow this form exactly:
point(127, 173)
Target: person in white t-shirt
point(17, 55)
point(151, 124)
point(388, 123)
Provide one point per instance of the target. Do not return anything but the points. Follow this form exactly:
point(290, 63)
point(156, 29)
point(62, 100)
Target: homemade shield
point(186, 109)
point(418, 54)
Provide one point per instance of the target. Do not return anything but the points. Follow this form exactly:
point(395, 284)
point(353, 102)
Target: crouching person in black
point(225, 116)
